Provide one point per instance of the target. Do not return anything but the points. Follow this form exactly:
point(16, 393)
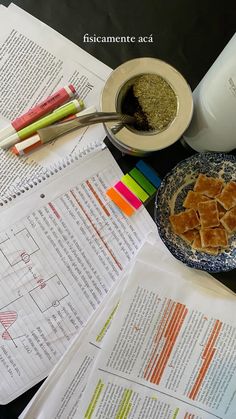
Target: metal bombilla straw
point(53, 131)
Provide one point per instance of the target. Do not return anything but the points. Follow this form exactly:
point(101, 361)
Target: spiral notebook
point(63, 246)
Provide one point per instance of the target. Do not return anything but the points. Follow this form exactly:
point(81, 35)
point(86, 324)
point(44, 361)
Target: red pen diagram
point(47, 295)
point(7, 319)
point(50, 294)
point(12, 248)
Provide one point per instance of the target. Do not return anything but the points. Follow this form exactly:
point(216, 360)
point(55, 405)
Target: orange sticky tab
point(120, 202)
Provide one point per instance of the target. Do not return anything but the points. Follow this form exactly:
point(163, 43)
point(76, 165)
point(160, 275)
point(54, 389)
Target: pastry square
point(229, 220)
point(189, 235)
point(208, 185)
point(213, 237)
point(221, 210)
point(197, 245)
point(184, 221)
point(193, 198)
point(208, 213)
point(227, 198)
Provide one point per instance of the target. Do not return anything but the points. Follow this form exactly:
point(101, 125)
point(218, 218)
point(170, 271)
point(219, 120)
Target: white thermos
point(213, 126)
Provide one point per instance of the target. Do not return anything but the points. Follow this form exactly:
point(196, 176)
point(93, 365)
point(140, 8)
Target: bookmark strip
point(149, 173)
point(135, 188)
point(142, 180)
point(120, 202)
point(127, 194)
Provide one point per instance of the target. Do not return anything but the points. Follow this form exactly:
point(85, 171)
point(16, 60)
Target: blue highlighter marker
point(149, 173)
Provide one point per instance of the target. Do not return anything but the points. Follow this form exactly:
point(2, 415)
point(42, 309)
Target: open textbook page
point(60, 395)
point(35, 61)
point(63, 246)
point(71, 48)
point(170, 351)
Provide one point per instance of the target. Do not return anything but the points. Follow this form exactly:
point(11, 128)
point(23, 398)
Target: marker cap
point(70, 90)
point(7, 131)
point(27, 145)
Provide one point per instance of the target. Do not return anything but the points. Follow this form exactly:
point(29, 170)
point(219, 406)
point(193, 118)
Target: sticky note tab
point(142, 180)
point(128, 195)
point(134, 187)
point(120, 202)
point(149, 172)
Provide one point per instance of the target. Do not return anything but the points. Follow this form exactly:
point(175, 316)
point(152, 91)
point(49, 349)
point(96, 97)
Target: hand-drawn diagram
point(50, 295)
point(45, 297)
point(12, 249)
point(32, 288)
point(7, 318)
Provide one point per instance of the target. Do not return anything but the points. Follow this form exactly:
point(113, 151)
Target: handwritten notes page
point(63, 246)
point(24, 42)
point(170, 351)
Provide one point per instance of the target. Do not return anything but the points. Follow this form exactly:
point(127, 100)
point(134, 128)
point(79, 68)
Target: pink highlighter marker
point(47, 105)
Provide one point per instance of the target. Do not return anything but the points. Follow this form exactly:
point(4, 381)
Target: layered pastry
point(209, 215)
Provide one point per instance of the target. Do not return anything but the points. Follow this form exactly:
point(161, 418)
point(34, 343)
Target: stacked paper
point(161, 343)
point(36, 61)
point(163, 346)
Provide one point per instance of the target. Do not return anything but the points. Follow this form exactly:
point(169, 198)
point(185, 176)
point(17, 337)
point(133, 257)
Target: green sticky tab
point(142, 180)
point(134, 187)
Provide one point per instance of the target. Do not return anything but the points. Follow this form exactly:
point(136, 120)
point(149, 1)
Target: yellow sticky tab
point(134, 187)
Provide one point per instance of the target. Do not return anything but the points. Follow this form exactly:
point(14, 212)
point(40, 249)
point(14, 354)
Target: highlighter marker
point(60, 113)
point(24, 147)
point(47, 105)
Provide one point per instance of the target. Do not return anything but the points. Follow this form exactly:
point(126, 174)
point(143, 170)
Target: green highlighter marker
point(69, 108)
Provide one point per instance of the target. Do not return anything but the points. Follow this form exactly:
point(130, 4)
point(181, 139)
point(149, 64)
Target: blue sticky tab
point(149, 172)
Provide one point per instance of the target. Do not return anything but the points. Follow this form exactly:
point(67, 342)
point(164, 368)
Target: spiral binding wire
point(49, 172)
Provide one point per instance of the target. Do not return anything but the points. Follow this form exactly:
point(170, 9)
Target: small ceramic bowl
point(169, 200)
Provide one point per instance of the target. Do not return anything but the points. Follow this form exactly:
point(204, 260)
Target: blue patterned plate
point(170, 197)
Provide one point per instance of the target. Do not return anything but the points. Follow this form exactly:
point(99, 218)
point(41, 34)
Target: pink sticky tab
point(128, 195)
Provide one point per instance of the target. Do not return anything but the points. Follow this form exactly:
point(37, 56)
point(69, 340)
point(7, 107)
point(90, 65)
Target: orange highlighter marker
point(26, 146)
